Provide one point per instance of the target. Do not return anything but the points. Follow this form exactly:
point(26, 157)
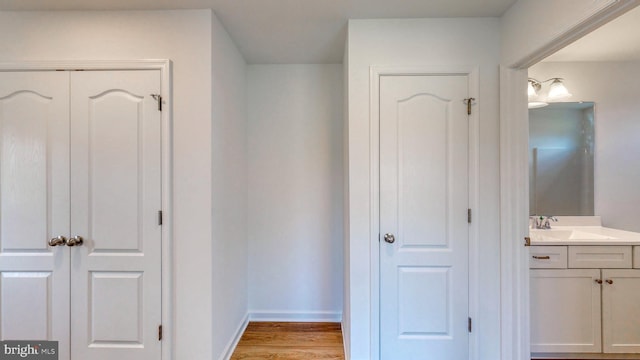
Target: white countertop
point(583, 235)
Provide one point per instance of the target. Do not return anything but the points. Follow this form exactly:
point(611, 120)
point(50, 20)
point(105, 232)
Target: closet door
point(115, 199)
point(34, 207)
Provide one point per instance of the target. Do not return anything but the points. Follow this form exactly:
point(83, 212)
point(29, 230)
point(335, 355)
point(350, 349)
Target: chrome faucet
point(542, 222)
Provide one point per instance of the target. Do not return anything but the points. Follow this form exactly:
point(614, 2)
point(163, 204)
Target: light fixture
point(533, 89)
point(557, 91)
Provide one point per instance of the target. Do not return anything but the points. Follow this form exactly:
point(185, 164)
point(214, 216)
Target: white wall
point(437, 42)
point(185, 38)
point(295, 192)
point(615, 90)
point(229, 191)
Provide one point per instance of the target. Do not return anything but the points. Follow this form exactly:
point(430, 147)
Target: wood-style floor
point(290, 341)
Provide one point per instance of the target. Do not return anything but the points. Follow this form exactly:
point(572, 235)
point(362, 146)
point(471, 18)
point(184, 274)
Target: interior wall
point(423, 42)
point(530, 25)
point(614, 88)
point(185, 38)
point(295, 192)
point(229, 191)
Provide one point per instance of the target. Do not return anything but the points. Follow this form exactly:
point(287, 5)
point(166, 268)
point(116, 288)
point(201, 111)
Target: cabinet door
point(621, 311)
point(565, 311)
point(34, 207)
point(115, 199)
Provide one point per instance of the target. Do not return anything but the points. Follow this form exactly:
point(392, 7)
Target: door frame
point(514, 180)
point(166, 88)
point(374, 212)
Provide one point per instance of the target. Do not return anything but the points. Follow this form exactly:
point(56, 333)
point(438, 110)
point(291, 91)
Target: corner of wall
point(233, 342)
point(229, 191)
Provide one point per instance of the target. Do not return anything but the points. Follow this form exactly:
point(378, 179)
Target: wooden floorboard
point(290, 341)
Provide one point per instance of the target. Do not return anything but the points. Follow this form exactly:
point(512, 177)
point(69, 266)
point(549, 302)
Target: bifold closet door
point(80, 159)
point(34, 207)
point(115, 199)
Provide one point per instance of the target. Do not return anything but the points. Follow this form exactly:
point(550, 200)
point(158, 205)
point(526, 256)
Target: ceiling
point(287, 31)
point(618, 40)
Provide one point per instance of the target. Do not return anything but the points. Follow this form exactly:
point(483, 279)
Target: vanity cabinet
point(587, 309)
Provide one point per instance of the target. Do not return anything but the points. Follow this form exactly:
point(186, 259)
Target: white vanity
point(585, 289)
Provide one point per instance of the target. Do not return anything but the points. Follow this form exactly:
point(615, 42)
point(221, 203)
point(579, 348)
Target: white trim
point(231, 346)
point(295, 316)
point(165, 68)
point(514, 200)
point(160, 64)
point(472, 72)
point(345, 343)
point(607, 11)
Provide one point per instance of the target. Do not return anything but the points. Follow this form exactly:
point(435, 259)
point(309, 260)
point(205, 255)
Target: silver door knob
point(58, 240)
point(389, 238)
point(75, 241)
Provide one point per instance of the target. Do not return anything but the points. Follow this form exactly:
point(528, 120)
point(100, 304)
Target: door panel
point(621, 311)
point(419, 311)
point(34, 207)
point(26, 297)
point(115, 147)
point(423, 202)
point(115, 159)
point(565, 310)
point(127, 307)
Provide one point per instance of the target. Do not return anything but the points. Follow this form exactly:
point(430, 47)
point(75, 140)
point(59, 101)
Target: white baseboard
point(295, 316)
point(231, 346)
point(345, 343)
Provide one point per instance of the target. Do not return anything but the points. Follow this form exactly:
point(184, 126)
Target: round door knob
point(609, 281)
point(389, 238)
point(58, 240)
point(75, 241)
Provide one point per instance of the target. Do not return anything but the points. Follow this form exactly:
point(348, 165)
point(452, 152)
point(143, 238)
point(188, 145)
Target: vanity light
point(557, 91)
point(533, 88)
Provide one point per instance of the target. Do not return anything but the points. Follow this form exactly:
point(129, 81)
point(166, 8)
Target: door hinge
point(159, 217)
point(158, 98)
point(160, 333)
point(470, 323)
point(469, 102)
point(469, 216)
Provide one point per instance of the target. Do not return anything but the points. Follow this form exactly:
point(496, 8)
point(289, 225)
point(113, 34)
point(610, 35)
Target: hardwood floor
point(290, 341)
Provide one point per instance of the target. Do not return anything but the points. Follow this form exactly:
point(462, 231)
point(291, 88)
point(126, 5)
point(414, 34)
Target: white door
point(80, 158)
point(423, 205)
point(34, 207)
point(115, 199)
point(621, 311)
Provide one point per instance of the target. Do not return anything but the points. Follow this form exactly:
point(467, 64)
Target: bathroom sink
point(555, 235)
point(582, 235)
point(582, 231)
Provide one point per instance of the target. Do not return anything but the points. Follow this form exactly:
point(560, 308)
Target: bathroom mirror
point(561, 143)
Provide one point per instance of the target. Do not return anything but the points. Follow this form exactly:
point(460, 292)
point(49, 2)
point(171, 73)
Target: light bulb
point(557, 90)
